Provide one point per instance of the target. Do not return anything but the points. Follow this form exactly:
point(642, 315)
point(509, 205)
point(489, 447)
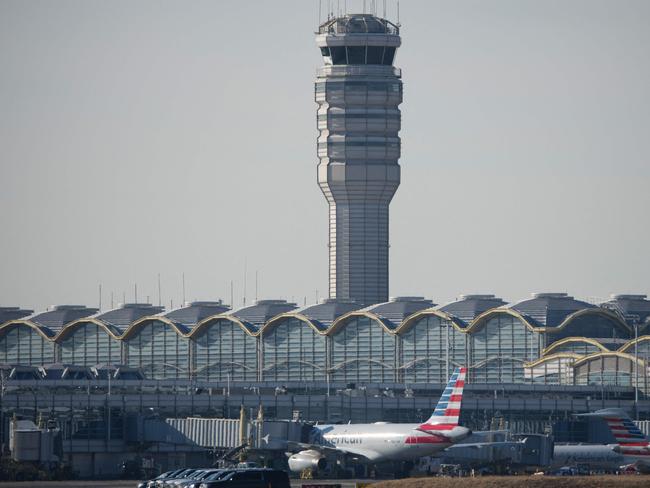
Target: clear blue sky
point(149, 137)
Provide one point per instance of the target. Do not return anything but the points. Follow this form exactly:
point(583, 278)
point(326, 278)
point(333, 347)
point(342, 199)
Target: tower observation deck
point(358, 92)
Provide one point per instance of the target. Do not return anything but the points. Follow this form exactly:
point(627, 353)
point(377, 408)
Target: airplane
point(632, 447)
point(383, 441)
point(631, 443)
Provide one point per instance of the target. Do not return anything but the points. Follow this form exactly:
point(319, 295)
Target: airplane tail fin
point(445, 416)
point(621, 426)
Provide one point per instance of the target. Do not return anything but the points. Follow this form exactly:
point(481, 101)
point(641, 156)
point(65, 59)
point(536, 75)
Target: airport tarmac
point(134, 483)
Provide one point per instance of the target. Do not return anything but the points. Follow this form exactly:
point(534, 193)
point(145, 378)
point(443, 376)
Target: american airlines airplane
point(383, 441)
point(632, 446)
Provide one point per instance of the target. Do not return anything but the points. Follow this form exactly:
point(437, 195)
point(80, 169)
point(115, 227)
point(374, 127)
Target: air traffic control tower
point(358, 92)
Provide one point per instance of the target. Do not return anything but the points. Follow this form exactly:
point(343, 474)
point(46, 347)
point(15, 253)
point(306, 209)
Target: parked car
point(193, 478)
point(250, 478)
point(216, 475)
point(152, 482)
point(183, 473)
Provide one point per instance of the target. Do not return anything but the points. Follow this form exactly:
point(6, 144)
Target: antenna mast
point(159, 293)
point(100, 297)
point(183, 288)
point(245, 266)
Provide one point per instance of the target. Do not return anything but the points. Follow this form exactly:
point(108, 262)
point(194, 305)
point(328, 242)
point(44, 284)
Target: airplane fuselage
point(386, 442)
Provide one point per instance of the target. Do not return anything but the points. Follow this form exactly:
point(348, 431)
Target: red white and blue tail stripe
point(628, 436)
point(445, 416)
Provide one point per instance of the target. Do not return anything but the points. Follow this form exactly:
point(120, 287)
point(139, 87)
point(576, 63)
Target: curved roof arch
point(275, 321)
point(569, 340)
point(483, 362)
point(483, 318)
point(591, 311)
point(348, 362)
point(413, 362)
point(598, 355)
point(212, 319)
point(141, 322)
point(70, 327)
point(630, 344)
point(411, 320)
point(553, 357)
point(4, 328)
point(288, 361)
point(343, 319)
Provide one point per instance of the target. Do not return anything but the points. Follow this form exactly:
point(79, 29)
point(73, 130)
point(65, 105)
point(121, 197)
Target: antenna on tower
point(100, 297)
point(364, 6)
point(256, 274)
point(232, 296)
point(384, 9)
point(245, 266)
point(112, 306)
point(398, 12)
point(320, 7)
point(135, 292)
point(159, 292)
point(183, 287)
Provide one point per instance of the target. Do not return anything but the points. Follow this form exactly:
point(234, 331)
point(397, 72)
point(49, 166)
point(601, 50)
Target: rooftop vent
point(204, 303)
point(337, 300)
point(408, 299)
point(134, 305)
point(270, 302)
point(550, 295)
point(477, 297)
point(68, 307)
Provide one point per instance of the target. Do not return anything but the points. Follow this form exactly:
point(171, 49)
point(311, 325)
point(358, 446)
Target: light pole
point(636, 367)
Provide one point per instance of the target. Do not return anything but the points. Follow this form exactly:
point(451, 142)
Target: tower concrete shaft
point(358, 92)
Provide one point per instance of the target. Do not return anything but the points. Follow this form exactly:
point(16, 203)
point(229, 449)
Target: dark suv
point(250, 478)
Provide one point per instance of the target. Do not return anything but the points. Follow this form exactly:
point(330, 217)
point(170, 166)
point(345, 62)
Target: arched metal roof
point(42, 331)
point(342, 320)
point(143, 321)
point(278, 319)
point(569, 340)
point(411, 320)
point(214, 319)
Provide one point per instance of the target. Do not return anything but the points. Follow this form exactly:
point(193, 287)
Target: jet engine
point(309, 459)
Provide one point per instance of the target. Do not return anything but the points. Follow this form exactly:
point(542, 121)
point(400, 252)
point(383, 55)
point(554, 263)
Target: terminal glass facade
point(224, 351)
point(362, 351)
point(88, 344)
point(498, 349)
point(159, 351)
point(21, 344)
point(431, 348)
point(293, 351)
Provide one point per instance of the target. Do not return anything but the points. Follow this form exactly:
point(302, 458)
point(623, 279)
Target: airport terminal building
point(550, 339)
point(358, 356)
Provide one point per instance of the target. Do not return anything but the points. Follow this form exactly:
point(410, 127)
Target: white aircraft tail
point(445, 416)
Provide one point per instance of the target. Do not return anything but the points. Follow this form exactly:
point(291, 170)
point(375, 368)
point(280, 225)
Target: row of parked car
point(220, 478)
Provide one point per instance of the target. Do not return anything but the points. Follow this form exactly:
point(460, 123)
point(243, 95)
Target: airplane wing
point(302, 446)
